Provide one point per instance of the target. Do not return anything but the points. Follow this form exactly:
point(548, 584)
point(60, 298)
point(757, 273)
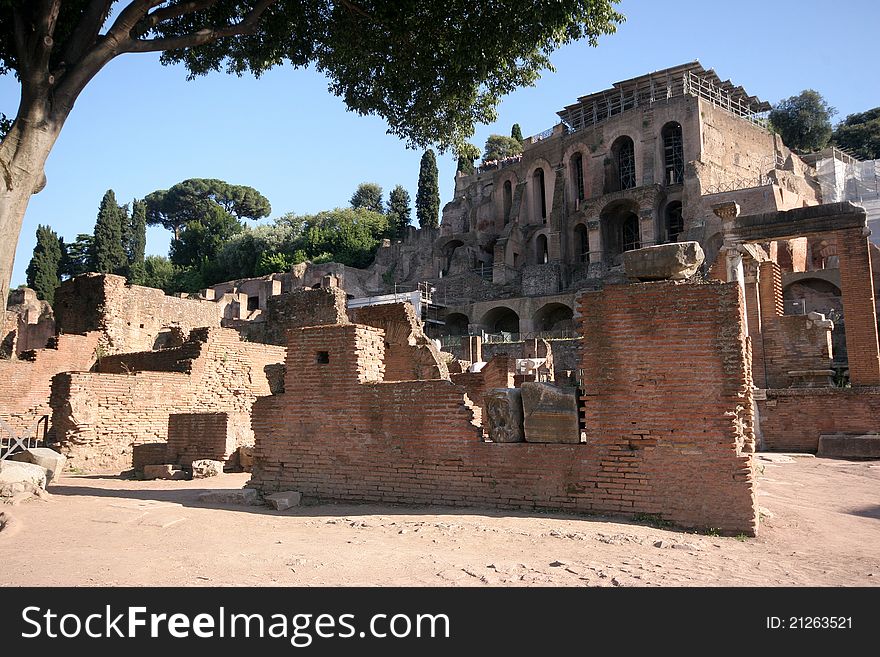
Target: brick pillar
point(753, 319)
point(857, 291)
point(770, 289)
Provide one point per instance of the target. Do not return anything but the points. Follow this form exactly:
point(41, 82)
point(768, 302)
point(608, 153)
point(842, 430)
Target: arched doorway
point(448, 251)
point(620, 230)
point(581, 242)
point(554, 317)
point(457, 324)
point(501, 319)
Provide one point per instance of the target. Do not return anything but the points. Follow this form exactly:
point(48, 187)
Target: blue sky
point(140, 126)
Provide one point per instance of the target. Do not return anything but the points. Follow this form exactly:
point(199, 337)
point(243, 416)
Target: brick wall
point(409, 354)
point(194, 436)
point(25, 384)
point(352, 436)
point(131, 317)
point(98, 416)
point(857, 288)
point(792, 420)
point(668, 402)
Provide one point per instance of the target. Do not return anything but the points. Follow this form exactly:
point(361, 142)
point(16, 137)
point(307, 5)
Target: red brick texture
point(195, 436)
point(857, 291)
point(25, 384)
point(666, 376)
point(792, 420)
point(99, 416)
point(340, 432)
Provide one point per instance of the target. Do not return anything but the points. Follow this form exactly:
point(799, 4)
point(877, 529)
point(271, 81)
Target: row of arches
point(620, 173)
point(503, 319)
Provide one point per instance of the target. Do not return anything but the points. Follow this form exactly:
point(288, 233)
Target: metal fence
point(11, 442)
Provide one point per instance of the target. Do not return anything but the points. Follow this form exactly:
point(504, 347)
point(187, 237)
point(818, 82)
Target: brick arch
point(499, 319)
point(533, 213)
point(554, 316)
point(571, 178)
point(501, 201)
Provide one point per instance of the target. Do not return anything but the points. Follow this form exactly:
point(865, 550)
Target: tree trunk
point(23, 156)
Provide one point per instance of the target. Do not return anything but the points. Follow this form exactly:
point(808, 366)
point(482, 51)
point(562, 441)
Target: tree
point(191, 200)
point(467, 153)
point(428, 193)
point(109, 255)
point(398, 211)
point(159, 273)
point(43, 274)
point(803, 121)
point(137, 242)
point(201, 239)
point(346, 235)
point(860, 134)
point(77, 257)
point(416, 68)
point(499, 147)
point(516, 133)
point(368, 196)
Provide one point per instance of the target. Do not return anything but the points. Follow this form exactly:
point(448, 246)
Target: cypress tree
point(42, 272)
point(428, 194)
point(137, 242)
point(516, 133)
point(398, 211)
point(109, 254)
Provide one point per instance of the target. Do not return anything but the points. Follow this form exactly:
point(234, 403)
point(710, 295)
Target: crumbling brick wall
point(298, 307)
point(792, 420)
point(409, 354)
point(98, 416)
point(658, 443)
point(668, 401)
point(25, 384)
point(215, 436)
point(131, 317)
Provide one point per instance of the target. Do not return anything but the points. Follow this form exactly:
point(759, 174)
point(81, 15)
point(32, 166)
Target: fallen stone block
point(504, 415)
point(19, 477)
point(847, 446)
point(246, 457)
point(284, 500)
point(550, 414)
point(148, 454)
point(240, 496)
point(677, 261)
point(165, 471)
point(46, 458)
point(204, 468)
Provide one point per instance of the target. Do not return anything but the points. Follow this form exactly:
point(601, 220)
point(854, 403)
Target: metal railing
point(11, 442)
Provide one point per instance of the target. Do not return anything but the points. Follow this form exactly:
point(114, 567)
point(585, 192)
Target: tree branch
point(20, 42)
point(167, 13)
point(87, 30)
point(355, 9)
point(203, 36)
point(45, 30)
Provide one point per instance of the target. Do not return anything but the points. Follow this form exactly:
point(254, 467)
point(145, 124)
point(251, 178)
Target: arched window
point(508, 200)
point(539, 194)
point(620, 169)
point(673, 154)
point(543, 257)
point(577, 174)
point(581, 244)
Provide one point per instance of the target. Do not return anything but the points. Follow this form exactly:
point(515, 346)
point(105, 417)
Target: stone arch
point(457, 324)
point(673, 221)
point(577, 181)
point(554, 317)
point(620, 229)
point(812, 294)
point(447, 251)
point(501, 319)
point(532, 181)
point(506, 190)
point(542, 250)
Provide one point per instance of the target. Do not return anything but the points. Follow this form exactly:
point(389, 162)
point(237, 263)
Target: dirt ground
point(820, 526)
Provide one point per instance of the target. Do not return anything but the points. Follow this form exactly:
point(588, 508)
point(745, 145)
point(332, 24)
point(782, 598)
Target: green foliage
point(398, 212)
point(270, 263)
point(191, 200)
point(109, 255)
point(803, 121)
point(467, 153)
point(159, 272)
point(202, 239)
point(428, 193)
point(5, 125)
point(860, 134)
point(368, 196)
point(77, 257)
point(347, 236)
point(652, 519)
point(516, 133)
point(43, 274)
point(137, 242)
point(499, 147)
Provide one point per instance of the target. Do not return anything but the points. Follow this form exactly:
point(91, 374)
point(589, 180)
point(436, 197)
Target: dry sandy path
point(823, 528)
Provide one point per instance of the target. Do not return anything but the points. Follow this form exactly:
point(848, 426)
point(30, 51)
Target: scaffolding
point(689, 79)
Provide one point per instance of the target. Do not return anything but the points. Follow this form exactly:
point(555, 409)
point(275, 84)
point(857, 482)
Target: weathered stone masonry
point(341, 432)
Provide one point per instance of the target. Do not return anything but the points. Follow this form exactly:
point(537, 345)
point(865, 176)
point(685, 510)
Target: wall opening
point(322, 357)
point(501, 320)
point(540, 194)
point(554, 317)
point(508, 200)
point(620, 230)
point(581, 244)
point(673, 154)
point(542, 255)
point(620, 169)
point(253, 303)
point(577, 173)
point(674, 221)
point(457, 324)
